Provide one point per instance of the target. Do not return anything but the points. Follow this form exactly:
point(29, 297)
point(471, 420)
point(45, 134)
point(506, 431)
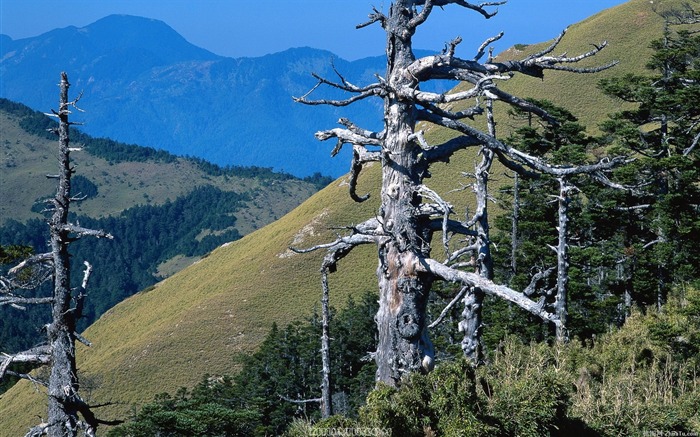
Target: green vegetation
point(641, 377)
point(147, 236)
point(287, 366)
point(627, 382)
point(613, 379)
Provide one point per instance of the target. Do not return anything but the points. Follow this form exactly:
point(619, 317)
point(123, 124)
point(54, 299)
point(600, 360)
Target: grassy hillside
point(26, 158)
point(201, 319)
point(628, 29)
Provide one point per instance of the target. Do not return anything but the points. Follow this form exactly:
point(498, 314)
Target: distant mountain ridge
point(181, 208)
point(144, 83)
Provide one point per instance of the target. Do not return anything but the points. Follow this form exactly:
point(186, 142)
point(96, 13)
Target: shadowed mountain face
point(143, 83)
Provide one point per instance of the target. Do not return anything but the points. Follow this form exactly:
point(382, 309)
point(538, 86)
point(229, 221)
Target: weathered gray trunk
point(514, 226)
point(472, 324)
point(561, 300)
point(326, 403)
point(63, 381)
point(404, 346)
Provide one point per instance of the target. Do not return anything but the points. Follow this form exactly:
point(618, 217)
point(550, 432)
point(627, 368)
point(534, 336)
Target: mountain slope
point(143, 83)
point(200, 319)
point(125, 175)
point(164, 211)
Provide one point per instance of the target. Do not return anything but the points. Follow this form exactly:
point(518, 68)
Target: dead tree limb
point(65, 406)
point(411, 212)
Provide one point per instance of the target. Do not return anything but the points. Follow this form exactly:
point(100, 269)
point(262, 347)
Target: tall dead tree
point(410, 211)
point(65, 406)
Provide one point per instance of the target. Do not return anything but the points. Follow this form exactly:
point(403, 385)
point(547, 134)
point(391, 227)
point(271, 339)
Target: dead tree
point(65, 406)
point(410, 211)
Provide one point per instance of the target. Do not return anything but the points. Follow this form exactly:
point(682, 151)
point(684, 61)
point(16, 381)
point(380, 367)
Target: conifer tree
point(660, 219)
point(411, 212)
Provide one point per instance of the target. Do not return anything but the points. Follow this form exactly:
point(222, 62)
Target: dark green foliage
point(662, 233)
point(14, 253)
point(83, 187)
point(640, 378)
point(206, 411)
point(592, 305)
point(318, 180)
point(146, 235)
point(287, 366)
point(455, 401)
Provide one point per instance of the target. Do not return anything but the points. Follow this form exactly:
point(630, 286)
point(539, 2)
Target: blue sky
point(239, 28)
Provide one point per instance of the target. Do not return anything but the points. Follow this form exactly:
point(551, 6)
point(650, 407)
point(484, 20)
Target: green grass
point(204, 318)
point(26, 160)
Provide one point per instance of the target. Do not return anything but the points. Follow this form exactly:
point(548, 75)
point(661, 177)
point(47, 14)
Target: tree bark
point(472, 324)
point(404, 346)
point(326, 398)
point(515, 223)
point(63, 382)
point(561, 300)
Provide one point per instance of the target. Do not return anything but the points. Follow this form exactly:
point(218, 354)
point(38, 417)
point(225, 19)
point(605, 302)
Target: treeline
point(144, 237)
point(642, 377)
point(276, 385)
point(37, 123)
point(632, 288)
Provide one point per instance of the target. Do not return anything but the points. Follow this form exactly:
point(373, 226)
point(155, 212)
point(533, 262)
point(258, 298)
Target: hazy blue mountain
point(143, 83)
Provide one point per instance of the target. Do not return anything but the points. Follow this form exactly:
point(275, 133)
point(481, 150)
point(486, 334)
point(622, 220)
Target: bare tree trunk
point(515, 222)
point(404, 346)
point(561, 300)
point(472, 324)
point(326, 398)
point(63, 382)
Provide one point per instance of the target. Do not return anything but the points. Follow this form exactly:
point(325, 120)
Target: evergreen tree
point(661, 224)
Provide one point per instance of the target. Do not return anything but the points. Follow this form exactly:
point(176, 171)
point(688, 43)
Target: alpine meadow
point(514, 254)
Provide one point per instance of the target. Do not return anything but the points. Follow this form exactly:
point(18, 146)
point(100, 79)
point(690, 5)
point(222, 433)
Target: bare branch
point(373, 18)
point(480, 8)
point(487, 286)
point(375, 89)
point(300, 401)
point(32, 260)
point(522, 157)
point(38, 431)
point(446, 210)
point(17, 302)
point(79, 232)
point(364, 233)
point(421, 17)
point(26, 376)
point(531, 287)
point(355, 169)
point(482, 48)
point(449, 306)
point(690, 148)
point(362, 132)
point(37, 355)
point(346, 136)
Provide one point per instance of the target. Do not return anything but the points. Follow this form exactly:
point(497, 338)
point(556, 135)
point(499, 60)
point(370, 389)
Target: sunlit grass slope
point(205, 317)
point(628, 29)
point(26, 159)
